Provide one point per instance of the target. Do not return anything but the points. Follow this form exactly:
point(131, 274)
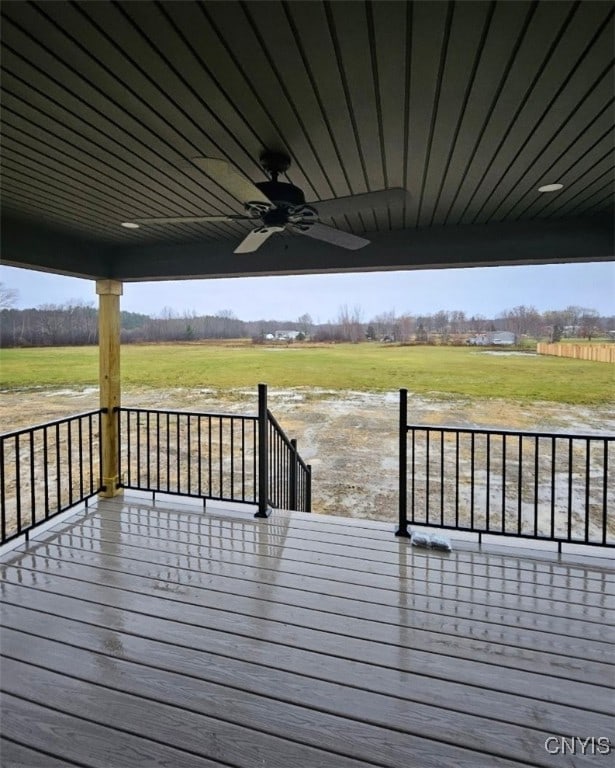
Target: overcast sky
point(483, 291)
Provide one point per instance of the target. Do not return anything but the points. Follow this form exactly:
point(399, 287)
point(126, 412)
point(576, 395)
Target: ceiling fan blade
point(256, 238)
point(189, 219)
point(231, 180)
point(333, 236)
point(361, 203)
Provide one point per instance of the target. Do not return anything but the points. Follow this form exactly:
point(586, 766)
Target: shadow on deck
point(141, 634)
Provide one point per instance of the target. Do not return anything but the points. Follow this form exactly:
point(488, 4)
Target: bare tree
point(305, 323)
point(8, 297)
point(589, 322)
point(458, 321)
point(404, 328)
point(384, 325)
point(350, 323)
point(523, 320)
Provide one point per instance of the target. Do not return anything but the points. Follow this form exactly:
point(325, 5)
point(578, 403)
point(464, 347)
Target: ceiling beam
point(541, 241)
point(32, 245)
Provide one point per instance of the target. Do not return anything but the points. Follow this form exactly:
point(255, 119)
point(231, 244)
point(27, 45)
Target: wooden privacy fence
point(598, 353)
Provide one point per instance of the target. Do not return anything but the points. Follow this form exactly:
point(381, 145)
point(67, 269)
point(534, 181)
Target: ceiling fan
point(277, 205)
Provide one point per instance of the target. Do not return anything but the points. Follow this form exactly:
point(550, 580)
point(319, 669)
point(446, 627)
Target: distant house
point(286, 335)
point(492, 338)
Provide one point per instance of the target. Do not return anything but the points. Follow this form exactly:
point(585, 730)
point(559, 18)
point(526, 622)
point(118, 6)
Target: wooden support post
point(109, 292)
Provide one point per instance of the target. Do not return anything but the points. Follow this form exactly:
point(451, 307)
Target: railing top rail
point(274, 422)
point(511, 432)
point(164, 411)
point(45, 424)
point(278, 429)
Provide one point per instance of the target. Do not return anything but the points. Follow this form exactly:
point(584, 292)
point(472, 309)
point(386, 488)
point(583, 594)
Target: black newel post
point(403, 464)
point(308, 489)
point(292, 479)
point(263, 454)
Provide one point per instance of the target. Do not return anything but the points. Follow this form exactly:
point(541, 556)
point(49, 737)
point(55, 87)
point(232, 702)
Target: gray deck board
point(411, 566)
point(334, 597)
point(141, 634)
point(376, 559)
point(503, 645)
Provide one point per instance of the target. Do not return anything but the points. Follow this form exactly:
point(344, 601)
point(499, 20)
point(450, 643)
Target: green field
point(364, 367)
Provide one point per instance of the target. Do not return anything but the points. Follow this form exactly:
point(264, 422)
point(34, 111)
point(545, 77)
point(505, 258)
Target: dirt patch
point(349, 438)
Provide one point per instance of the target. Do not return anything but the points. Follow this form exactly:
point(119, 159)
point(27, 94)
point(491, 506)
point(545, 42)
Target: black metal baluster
point(457, 479)
point(278, 455)
point(520, 487)
point(32, 482)
point(128, 449)
point(199, 437)
point(427, 473)
point(100, 483)
point(18, 483)
point(232, 420)
point(168, 452)
point(553, 459)
point(148, 478)
point(536, 467)
point(254, 460)
point(178, 451)
point(587, 486)
point(2, 491)
point(189, 452)
point(158, 451)
point(80, 432)
point(293, 476)
point(279, 479)
point(605, 471)
point(209, 452)
point(488, 492)
point(441, 477)
point(46, 470)
point(503, 526)
point(243, 459)
point(70, 461)
point(570, 454)
point(413, 460)
point(91, 457)
point(472, 446)
point(220, 455)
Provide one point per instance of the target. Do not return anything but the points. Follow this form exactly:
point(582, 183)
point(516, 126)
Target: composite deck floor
point(141, 634)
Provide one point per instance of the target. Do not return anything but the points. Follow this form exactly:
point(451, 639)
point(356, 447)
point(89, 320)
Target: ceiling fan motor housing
point(282, 194)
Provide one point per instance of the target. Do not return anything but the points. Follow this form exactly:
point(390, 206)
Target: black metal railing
point(47, 469)
point(537, 485)
point(225, 457)
point(204, 455)
point(289, 484)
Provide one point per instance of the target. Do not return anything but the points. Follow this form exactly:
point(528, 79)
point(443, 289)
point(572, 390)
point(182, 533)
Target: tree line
point(76, 323)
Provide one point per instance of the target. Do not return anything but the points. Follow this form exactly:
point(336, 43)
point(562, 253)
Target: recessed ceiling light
point(550, 187)
point(130, 225)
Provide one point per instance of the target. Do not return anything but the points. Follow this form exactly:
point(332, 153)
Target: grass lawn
point(365, 367)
